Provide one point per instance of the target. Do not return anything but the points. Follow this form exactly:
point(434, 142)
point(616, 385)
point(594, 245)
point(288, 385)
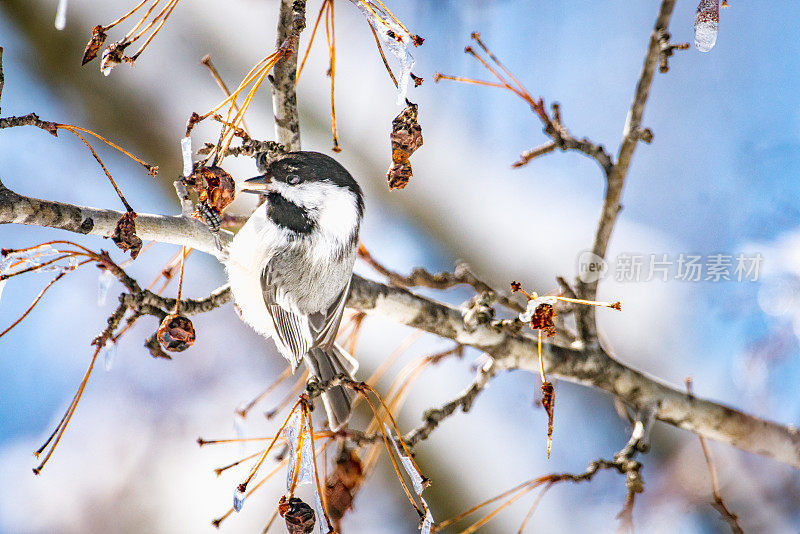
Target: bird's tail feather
point(324, 365)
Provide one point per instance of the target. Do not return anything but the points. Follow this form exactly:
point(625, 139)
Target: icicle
point(397, 40)
point(103, 285)
point(109, 354)
point(186, 151)
point(61, 15)
point(2, 286)
point(238, 499)
point(706, 25)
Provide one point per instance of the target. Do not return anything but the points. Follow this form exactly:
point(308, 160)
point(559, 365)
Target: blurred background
point(721, 177)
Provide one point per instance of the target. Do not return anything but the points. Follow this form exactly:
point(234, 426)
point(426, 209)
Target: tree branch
point(590, 366)
point(175, 230)
point(615, 176)
point(291, 21)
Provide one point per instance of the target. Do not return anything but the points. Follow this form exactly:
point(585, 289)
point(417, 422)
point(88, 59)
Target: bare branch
point(31, 119)
point(420, 277)
point(631, 136)
point(590, 366)
point(464, 401)
point(176, 230)
point(291, 21)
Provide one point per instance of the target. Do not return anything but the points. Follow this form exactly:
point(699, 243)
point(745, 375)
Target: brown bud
point(299, 516)
point(176, 333)
point(94, 44)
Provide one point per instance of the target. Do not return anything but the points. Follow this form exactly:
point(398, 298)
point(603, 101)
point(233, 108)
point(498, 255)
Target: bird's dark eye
point(292, 179)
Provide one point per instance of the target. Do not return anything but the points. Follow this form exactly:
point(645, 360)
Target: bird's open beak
point(259, 184)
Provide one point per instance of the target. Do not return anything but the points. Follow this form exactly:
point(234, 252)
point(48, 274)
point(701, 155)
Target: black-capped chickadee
point(290, 265)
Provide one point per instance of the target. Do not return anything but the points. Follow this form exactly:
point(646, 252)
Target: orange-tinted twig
point(261, 396)
point(383, 56)
point(62, 426)
point(330, 33)
point(311, 40)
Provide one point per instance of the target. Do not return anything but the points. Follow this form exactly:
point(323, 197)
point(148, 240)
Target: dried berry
point(176, 333)
point(406, 138)
point(299, 516)
point(214, 186)
point(94, 44)
point(543, 319)
point(125, 234)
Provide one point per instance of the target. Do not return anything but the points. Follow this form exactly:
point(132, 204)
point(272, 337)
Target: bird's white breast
point(249, 252)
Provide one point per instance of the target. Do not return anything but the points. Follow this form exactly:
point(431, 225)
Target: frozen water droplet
point(61, 15)
point(109, 354)
point(397, 40)
point(106, 71)
point(103, 285)
point(186, 151)
point(238, 499)
point(706, 25)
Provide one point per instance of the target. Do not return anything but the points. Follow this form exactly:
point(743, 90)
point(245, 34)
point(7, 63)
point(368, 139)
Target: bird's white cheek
point(338, 215)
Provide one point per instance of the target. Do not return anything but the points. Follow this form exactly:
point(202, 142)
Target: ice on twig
point(293, 432)
point(2, 286)
point(416, 480)
point(238, 499)
point(103, 285)
point(61, 15)
point(427, 523)
point(706, 25)
point(396, 39)
point(109, 354)
point(186, 151)
point(323, 527)
point(34, 259)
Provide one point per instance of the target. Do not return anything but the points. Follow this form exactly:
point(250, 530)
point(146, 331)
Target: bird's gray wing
point(326, 325)
point(297, 333)
point(293, 334)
